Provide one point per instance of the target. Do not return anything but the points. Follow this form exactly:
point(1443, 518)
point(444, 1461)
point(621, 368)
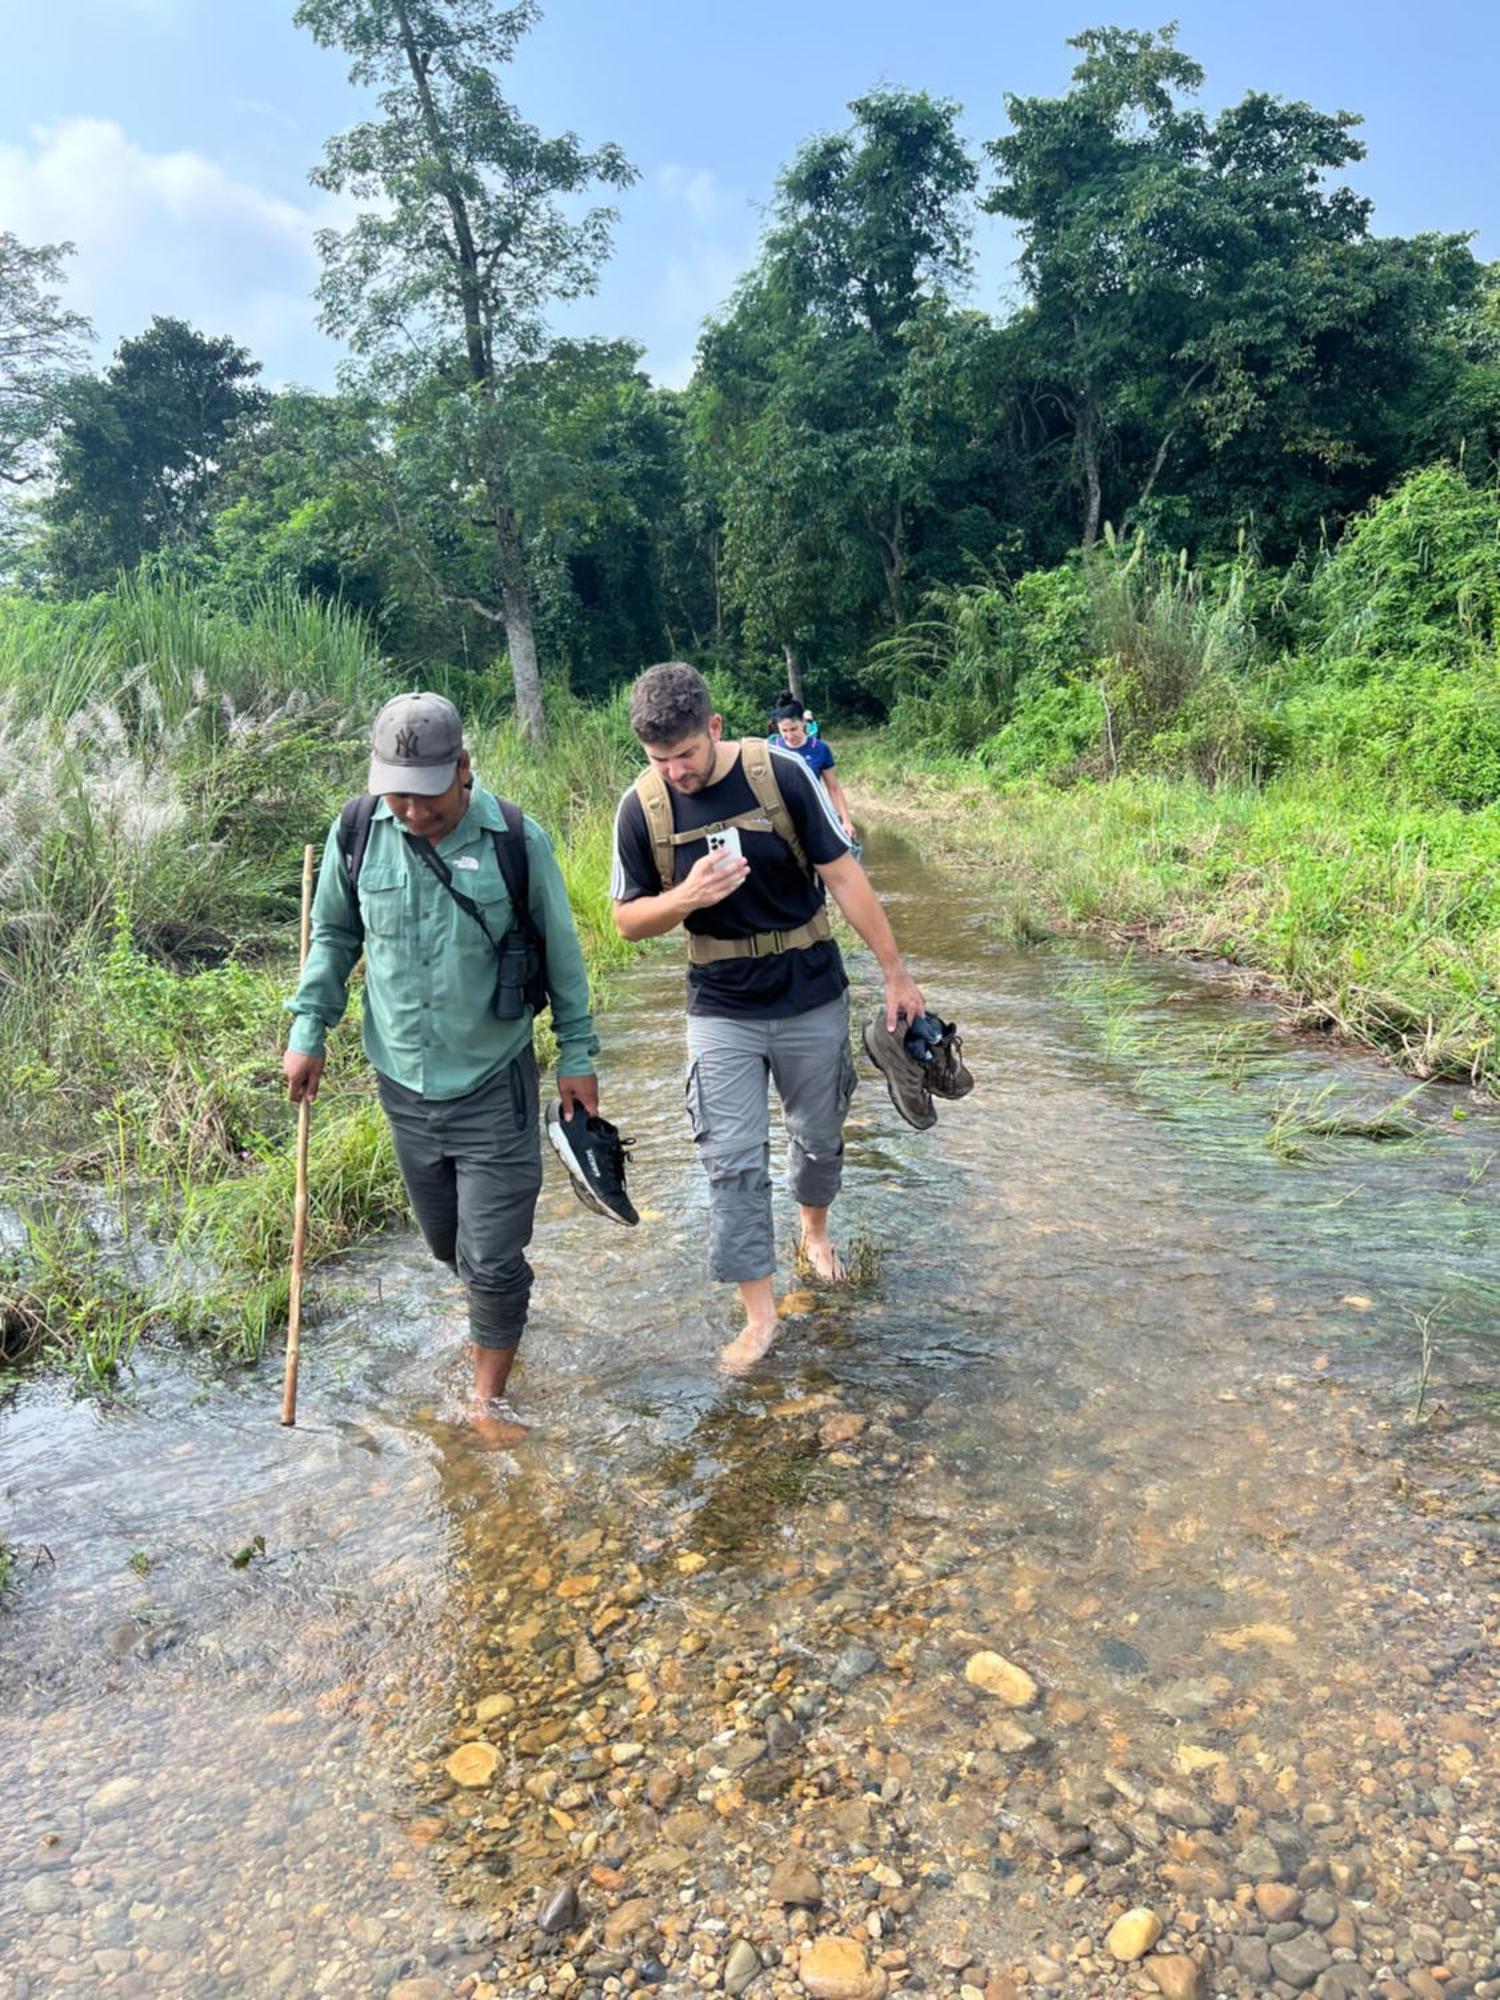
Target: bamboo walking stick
point(299, 1210)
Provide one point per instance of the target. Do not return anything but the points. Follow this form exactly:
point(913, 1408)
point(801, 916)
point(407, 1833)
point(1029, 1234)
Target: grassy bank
point(156, 791)
point(1298, 770)
point(1377, 919)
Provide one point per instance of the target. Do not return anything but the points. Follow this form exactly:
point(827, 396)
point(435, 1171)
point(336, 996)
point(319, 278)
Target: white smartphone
point(727, 842)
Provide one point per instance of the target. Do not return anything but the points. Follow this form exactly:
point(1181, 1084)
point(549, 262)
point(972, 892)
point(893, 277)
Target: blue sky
point(171, 139)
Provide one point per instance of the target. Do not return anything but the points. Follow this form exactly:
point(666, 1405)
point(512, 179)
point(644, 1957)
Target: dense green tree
point(442, 284)
point(344, 497)
point(42, 345)
point(593, 474)
point(1206, 314)
point(139, 451)
point(302, 508)
point(821, 386)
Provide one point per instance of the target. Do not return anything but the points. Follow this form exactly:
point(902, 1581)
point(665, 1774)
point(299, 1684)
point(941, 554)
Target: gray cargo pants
point(730, 1064)
point(473, 1170)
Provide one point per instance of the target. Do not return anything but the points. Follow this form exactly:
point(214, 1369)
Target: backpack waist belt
point(710, 950)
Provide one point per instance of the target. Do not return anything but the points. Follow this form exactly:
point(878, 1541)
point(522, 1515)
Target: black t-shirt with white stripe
point(775, 896)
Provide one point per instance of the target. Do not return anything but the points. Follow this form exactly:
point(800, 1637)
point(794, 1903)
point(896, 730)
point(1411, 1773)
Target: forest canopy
point(1211, 352)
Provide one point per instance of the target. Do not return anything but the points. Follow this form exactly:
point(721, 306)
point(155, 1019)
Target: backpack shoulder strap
point(354, 838)
point(656, 803)
point(759, 764)
point(510, 852)
point(515, 866)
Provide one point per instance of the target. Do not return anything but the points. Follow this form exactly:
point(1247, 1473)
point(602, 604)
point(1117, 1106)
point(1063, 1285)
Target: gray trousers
point(730, 1065)
point(473, 1170)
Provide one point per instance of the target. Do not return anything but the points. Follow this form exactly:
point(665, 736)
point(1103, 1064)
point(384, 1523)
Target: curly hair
point(669, 702)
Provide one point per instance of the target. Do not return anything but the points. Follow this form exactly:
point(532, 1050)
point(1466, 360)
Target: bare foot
point(495, 1425)
point(752, 1345)
point(820, 1256)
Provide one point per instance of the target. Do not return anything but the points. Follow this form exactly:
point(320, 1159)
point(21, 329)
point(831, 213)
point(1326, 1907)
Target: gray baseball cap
point(415, 745)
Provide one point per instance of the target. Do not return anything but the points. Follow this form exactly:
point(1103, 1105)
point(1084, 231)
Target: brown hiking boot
point(948, 1075)
point(905, 1078)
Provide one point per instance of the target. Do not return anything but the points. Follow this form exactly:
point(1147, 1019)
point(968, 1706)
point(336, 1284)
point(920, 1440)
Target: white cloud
point(698, 192)
point(704, 238)
point(268, 114)
point(168, 233)
point(693, 285)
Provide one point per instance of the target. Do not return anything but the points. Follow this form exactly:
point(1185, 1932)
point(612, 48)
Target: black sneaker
point(594, 1154)
point(905, 1077)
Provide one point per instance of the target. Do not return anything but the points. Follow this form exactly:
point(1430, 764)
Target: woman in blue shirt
point(792, 734)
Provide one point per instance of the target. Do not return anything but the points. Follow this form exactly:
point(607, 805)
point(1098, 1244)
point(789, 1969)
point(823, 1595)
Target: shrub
point(1416, 578)
point(1426, 733)
point(952, 678)
point(1055, 727)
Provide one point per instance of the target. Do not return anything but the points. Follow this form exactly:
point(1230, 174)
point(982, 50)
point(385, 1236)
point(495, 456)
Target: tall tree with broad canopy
point(1196, 289)
point(445, 280)
point(42, 344)
point(593, 472)
point(807, 383)
point(140, 450)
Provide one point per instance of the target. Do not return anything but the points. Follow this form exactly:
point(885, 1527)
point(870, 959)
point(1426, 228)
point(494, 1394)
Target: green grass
point(154, 833)
point(241, 1227)
point(60, 1303)
point(1380, 920)
point(159, 653)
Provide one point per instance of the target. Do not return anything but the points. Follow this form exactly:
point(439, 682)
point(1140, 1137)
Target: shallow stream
point(1127, 1394)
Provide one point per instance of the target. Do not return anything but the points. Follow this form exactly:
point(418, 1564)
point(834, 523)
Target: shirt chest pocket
point(485, 888)
point(382, 901)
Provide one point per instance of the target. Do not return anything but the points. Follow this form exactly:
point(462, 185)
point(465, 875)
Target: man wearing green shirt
point(457, 1081)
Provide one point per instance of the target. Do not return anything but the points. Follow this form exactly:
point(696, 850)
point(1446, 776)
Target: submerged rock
point(473, 1764)
point(793, 1882)
point(994, 1674)
point(835, 1968)
point(852, 1665)
point(1132, 1936)
point(1176, 1976)
point(559, 1911)
point(741, 1966)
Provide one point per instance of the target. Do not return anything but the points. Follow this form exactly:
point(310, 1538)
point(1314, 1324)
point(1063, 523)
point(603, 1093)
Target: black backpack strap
point(354, 838)
point(510, 852)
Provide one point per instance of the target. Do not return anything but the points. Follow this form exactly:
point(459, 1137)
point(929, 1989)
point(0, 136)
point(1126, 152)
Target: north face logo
point(408, 744)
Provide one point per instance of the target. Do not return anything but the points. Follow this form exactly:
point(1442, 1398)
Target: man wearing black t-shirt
point(767, 993)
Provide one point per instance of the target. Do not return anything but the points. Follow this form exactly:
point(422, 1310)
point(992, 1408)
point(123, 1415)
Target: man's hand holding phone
point(718, 873)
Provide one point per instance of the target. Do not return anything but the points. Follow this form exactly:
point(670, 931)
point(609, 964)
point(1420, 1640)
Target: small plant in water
point(1298, 1120)
point(1423, 1322)
point(1229, 1054)
point(11, 1554)
point(863, 1259)
point(140, 1562)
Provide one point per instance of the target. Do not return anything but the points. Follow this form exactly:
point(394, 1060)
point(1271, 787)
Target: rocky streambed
point(1076, 1605)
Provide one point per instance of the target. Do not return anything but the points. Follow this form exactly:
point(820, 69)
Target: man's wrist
point(306, 1037)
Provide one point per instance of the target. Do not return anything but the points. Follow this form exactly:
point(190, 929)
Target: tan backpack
point(768, 815)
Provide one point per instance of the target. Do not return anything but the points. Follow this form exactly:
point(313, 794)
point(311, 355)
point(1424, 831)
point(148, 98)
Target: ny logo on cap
point(408, 743)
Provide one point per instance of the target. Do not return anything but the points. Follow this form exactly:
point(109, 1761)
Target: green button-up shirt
point(429, 969)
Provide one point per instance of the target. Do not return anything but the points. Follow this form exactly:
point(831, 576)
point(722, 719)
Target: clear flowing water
point(1125, 1394)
